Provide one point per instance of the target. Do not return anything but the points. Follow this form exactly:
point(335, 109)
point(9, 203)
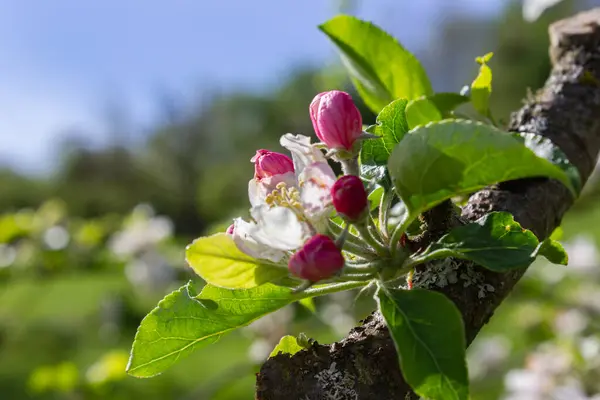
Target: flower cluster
point(293, 199)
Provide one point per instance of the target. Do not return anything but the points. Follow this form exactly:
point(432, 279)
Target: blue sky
point(62, 61)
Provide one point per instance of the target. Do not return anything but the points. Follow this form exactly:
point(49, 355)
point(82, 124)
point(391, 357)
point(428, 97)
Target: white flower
point(314, 179)
point(276, 231)
point(287, 209)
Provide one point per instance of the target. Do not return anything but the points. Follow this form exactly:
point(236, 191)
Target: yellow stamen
point(288, 197)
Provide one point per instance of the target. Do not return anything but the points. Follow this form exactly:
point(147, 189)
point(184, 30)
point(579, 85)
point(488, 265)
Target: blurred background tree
point(83, 256)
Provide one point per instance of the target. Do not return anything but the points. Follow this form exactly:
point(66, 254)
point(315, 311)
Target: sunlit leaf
point(481, 88)
point(421, 112)
point(452, 157)
point(287, 345)
point(219, 262)
point(391, 127)
point(428, 332)
point(183, 322)
point(381, 69)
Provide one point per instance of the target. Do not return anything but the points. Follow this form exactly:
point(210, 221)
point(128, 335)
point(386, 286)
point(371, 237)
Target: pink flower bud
point(268, 163)
point(318, 259)
point(350, 197)
point(336, 120)
point(230, 230)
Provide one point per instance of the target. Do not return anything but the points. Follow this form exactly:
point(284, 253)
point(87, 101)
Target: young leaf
point(429, 335)
point(495, 241)
point(287, 345)
point(391, 127)
point(484, 58)
point(452, 157)
point(182, 323)
point(381, 69)
point(219, 262)
point(481, 88)
point(421, 111)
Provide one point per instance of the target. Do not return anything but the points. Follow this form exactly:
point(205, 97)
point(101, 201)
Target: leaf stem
point(434, 255)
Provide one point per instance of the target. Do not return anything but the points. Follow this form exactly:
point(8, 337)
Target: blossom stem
point(350, 166)
point(352, 243)
point(364, 269)
point(375, 232)
point(337, 230)
point(384, 211)
point(355, 277)
point(366, 235)
point(359, 251)
point(328, 289)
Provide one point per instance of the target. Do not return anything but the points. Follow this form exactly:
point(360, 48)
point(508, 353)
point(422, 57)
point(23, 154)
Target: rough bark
point(566, 110)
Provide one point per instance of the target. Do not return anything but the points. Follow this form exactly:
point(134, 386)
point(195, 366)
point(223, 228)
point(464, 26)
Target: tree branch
point(566, 110)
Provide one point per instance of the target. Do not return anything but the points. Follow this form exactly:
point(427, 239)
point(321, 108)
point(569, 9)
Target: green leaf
point(183, 322)
point(495, 241)
point(381, 69)
point(481, 88)
point(391, 126)
point(377, 174)
point(452, 157)
point(553, 251)
point(421, 112)
point(447, 102)
point(428, 332)
point(375, 197)
point(219, 262)
point(544, 148)
point(287, 345)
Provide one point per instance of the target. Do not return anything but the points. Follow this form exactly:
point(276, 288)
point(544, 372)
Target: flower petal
point(303, 153)
point(278, 228)
point(315, 193)
point(258, 189)
point(247, 244)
